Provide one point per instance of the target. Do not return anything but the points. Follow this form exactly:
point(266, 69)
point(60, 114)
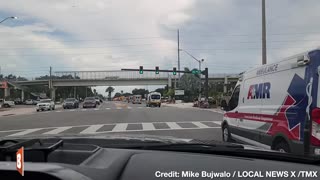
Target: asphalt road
point(114, 118)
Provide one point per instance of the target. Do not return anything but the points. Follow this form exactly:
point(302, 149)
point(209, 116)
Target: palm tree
point(109, 90)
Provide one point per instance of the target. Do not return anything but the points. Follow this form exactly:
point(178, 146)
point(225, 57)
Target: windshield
point(155, 96)
point(211, 70)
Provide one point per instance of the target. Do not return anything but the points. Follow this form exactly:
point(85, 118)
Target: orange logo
point(20, 161)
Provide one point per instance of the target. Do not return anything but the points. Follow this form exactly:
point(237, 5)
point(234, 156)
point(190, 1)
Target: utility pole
point(264, 40)
point(178, 55)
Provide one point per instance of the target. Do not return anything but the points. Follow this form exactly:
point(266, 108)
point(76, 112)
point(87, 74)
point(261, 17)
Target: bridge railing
point(114, 75)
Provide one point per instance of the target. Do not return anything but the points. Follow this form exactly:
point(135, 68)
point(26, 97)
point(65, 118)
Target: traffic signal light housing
point(141, 70)
point(157, 69)
point(174, 71)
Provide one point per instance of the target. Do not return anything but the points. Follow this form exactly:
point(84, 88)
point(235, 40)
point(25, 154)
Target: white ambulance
point(277, 106)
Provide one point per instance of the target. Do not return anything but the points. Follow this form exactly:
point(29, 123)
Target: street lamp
point(199, 61)
point(12, 17)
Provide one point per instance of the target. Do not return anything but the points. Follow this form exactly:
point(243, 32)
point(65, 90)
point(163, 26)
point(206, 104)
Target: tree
point(161, 91)
point(190, 83)
point(117, 95)
point(110, 89)
point(141, 92)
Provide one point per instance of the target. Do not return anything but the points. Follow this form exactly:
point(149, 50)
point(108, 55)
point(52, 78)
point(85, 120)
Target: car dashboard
point(69, 160)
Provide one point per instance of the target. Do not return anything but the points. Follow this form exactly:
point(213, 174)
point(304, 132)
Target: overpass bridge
point(114, 78)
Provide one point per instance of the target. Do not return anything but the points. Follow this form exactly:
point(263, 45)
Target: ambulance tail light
point(315, 115)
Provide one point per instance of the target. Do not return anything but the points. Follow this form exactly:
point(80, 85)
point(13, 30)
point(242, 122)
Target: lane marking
point(120, 127)
point(129, 107)
point(108, 108)
point(173, 125)
point(217, 122)
point(148, 126)
point(200, 125)
point(71, 110)
point(140, 107)
point(28, 131)
point(96, 109)
point(83, 109)
point(119, 107)
point(91, 129)
point(58, 111)
point(58, 130)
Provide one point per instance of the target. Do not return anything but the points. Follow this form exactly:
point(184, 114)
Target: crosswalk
point(113, 128)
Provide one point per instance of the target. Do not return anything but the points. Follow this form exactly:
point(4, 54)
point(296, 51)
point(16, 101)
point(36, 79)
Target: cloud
point(112, 34)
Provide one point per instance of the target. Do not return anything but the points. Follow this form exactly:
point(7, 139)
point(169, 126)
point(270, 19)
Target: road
point(114, 118)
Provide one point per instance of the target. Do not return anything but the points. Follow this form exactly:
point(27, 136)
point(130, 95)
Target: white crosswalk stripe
point(115, 127)
point(200, 125)
point(119, 107)
point(173, 125)
point(28, 131)
point(120, 127)
point(108, 108)
point(147, 126)
point(91, 129)
point(58, 130)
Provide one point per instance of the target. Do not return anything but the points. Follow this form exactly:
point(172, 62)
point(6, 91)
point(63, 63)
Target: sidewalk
point(20, 111)
point(190, 105)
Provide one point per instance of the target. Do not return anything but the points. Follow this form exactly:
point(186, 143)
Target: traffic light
point(174, 71)
point(157, 69)
point(141, 70)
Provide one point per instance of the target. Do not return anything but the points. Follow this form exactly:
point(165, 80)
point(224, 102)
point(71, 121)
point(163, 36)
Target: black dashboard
point(80, 161)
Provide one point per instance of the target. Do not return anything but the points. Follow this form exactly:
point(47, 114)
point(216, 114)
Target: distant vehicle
point(35, 102)
point(45, 104)
point(154, 99)
point(89, 102)
point(130, 99)
point(136, 99)
point(17, 101)
point(97, 100)
point(6, 103)
point(70, 103)
point(29, 102)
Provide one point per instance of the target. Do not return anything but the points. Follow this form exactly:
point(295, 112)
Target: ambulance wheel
point(282, 146)
point(226, 136)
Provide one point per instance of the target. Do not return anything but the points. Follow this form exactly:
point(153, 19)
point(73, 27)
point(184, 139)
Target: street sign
point(179, 92)
point(195, 71)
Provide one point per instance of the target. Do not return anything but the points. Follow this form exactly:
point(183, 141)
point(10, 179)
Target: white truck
point(153, 99)
point(6, 103)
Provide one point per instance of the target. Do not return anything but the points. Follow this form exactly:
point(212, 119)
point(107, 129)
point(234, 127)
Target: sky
point(72, 35)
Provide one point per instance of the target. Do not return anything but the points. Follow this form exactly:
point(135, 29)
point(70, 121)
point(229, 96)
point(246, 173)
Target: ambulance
point(277, 106)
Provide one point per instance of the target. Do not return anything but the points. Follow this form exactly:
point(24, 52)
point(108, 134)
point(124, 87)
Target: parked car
point(6, 103)
point(45, 104)
point(17, 101)
point(29, 102)
point(89, 102)
point(70, 103)
point(97, 100)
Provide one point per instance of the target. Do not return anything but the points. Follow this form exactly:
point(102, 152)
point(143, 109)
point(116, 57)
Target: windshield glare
point(225, 71)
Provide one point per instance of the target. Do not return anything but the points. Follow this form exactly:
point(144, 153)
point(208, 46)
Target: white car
point(29, 102)
point(6, 103)
point(45, 104)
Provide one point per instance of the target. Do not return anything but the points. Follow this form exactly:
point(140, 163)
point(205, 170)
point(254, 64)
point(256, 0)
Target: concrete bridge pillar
point(22, 95)
point(169, 81)
point(53, 93)
point(6, 92)
point(225, 84)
